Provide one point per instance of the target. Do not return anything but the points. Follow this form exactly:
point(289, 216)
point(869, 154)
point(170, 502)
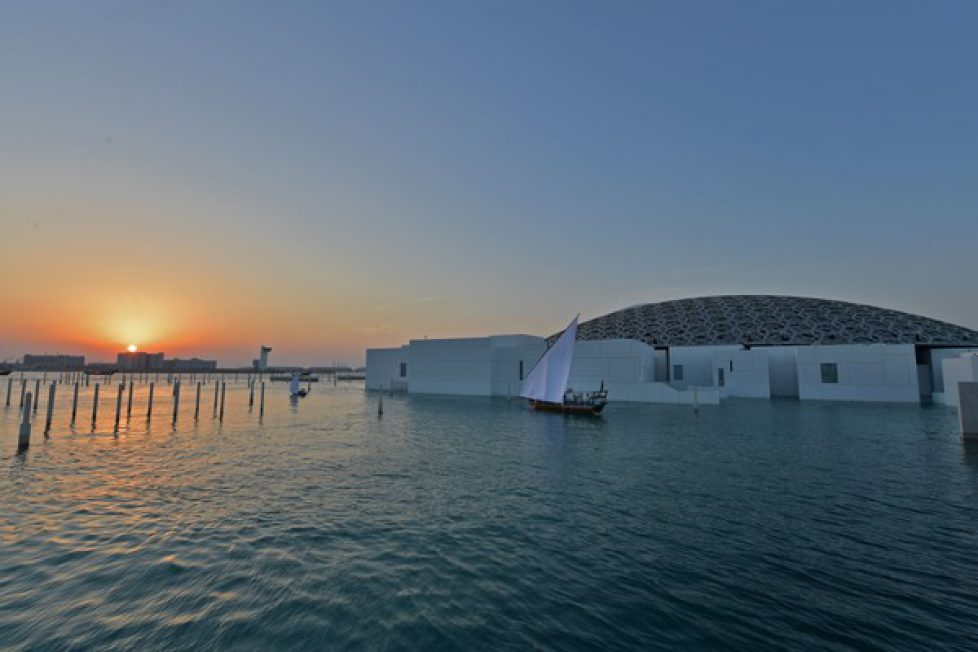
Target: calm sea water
point(474, 524)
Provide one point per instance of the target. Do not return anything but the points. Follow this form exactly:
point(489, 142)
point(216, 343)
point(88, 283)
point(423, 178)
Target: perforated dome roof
point(770, 320)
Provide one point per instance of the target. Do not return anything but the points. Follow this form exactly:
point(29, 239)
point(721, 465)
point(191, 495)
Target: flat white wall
point(450, 366)
point(937, 357)
point(384, 367)
point(866, 372)
point(750, 377)
point(611, 361)
point(700, 363)
point(507, 353)
point(963, 368)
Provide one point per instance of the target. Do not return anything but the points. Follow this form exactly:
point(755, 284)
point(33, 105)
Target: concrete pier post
point(37, 394)
point(217, 391)
point(23, 388)
point(24, 438)
point(197, 403)
point(50, 414)
point(261, 407)
point(129, 402)
point(149, 407)
point(74, 404)
point(968, 408)
point(223, 388)
point(118, 406)
point(95, 406)
point(10, 383)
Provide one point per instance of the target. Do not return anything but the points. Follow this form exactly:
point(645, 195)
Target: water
point(457, 523)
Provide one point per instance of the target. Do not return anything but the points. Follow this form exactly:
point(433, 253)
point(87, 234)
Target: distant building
point(261, 362)
point(53, 362)
point(193, 364)
point(708, 349)
point(139, 361)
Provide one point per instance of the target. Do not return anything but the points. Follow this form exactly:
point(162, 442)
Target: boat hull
point(585, 409)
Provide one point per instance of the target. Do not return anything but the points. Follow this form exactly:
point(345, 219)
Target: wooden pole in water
point(149, 408)
point(261, 408)
point(696, 401)
point(251, 397)
point(118, 406)
point(176, 402)
point(24, 438)
point(217, 390)
point(129, 402)
point(223, 388)
point(47, 421)
point(74, 404)
point(37, 394)
point(10, 382)
point(380, 403)
point(95, 406)
point(23, 388)
point(197, 403)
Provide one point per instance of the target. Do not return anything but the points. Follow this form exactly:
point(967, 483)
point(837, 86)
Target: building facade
point(139, 361)
point(706, 350)
point(190, 365)
point(56, 362)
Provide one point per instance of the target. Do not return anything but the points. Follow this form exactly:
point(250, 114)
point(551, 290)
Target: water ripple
point(473, 524)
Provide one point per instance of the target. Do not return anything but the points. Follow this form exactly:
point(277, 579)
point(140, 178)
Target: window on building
point(677, 372)
point(830, 372)
point(720, 379)
point(403, 370)
point(521, 370)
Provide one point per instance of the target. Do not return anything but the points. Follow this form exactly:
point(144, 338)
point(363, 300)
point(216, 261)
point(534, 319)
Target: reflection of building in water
point(711, 348)
point(55, 362)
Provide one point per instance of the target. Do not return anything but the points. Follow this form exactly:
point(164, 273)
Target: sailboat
point(546, 385)
point(294, 390)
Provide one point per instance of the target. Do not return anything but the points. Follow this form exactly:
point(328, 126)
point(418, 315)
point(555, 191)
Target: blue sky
point(358, 173)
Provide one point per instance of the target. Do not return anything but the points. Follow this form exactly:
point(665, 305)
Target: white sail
point(547, 381)
point(294, 387)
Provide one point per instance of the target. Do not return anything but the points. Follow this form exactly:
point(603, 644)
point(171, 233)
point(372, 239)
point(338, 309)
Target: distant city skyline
point(202, 179)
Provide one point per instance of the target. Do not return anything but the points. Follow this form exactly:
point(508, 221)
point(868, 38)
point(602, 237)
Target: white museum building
point(708, 349)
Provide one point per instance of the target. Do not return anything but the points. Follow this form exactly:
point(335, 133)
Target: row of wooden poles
point(68, 377)
point(29, 403)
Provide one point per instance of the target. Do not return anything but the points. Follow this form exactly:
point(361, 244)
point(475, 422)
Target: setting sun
point(131, 348)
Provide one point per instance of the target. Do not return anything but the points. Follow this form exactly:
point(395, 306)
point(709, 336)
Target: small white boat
point(294, 390)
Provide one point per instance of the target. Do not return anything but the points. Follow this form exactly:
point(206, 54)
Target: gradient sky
point(204, 177)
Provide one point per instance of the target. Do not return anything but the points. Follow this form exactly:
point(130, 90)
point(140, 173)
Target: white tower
point(263, 357)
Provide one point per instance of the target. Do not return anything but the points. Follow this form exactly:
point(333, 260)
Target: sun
point(131, 348)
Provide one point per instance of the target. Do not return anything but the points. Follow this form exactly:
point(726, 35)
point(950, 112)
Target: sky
point(204, 177)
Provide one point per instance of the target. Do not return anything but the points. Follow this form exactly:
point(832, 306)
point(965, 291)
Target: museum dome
point(759, 320)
